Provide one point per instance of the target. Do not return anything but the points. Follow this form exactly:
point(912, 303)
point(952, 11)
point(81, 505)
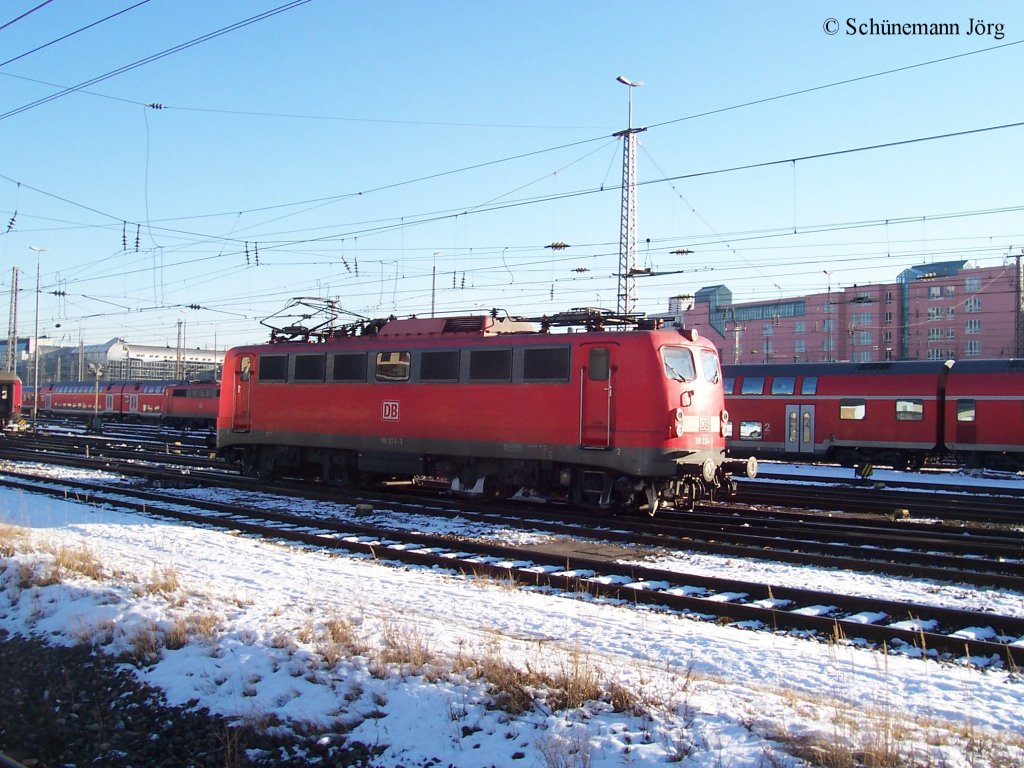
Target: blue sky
point(357, 147)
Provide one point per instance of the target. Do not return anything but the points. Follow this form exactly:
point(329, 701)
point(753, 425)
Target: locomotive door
point(596, 397)
point(241, 419)
point(800, 429)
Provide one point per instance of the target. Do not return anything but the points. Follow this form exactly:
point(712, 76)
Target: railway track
point(597, 568)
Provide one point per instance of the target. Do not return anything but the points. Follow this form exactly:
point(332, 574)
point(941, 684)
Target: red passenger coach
point(191, 405)
point(611, 420)
point(888, 412)
point(10, 398)
point(984, 413)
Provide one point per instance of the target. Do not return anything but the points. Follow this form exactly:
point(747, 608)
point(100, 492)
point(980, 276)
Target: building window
point(973, 348)
point(935, 313)
point(973, 284)
point(972, 326)
point(934, 291)
point(769, 330)
point(888, 318)
point(799, 327)
point(950, 291)
point(800, 346)
point(934, 334)
point(972, 305)
point(888, 297)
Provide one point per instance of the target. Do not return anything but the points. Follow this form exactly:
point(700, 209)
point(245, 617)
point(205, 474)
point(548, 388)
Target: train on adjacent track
point(10, 398)
point(176, 404)
point(630, 419)
point(900, 414)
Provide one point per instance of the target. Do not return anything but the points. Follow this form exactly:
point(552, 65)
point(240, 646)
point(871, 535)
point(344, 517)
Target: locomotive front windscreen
point(679, 364)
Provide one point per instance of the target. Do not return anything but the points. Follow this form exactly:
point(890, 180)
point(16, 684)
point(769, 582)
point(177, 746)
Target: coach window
point(309, 368)
point(728, 383)
point(852, 409)
point(598, 364)
point(546, 364)
point(393, 366)
point(809, 386)
point(909, 410)
point(273, 368)
point(965, 410)
point(784, 385)
point(350, 367)
point(490, 365)
point(752, 385)
point(439, 366)
point(751, 430)
point(679, 364)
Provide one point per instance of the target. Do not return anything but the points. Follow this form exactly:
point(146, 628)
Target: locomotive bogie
point(607, 420)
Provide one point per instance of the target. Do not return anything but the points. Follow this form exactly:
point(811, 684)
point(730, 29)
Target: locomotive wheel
point(264, 465)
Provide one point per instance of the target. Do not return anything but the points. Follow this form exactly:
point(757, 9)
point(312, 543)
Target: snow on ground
point(302, 634)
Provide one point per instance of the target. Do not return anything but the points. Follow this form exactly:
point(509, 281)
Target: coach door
point(240, 399)
point(800, 429)
point(596, 397)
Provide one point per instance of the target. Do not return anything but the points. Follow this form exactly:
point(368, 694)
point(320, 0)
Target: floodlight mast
point(627, 227)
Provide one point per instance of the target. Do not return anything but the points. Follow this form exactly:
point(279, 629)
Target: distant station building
point(115, 360)
point(932, 312)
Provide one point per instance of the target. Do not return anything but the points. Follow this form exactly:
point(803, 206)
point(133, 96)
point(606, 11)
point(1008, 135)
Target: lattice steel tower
point(12, 324)
point(627, 228)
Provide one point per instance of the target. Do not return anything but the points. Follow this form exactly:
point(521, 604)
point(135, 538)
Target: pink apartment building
point(932, 312)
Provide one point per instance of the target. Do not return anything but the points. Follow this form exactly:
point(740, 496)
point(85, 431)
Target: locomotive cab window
point(439, 366)
point(349, 367)
point(752, 385)
point(273, 368)
point(965, 410)
point(393, 366)
point(490, 365)
point(546, 364)
point(679, 364)
point(309, 368)
point(852, 409)
point(783, 385)
point(709, 364)
point(909, 410)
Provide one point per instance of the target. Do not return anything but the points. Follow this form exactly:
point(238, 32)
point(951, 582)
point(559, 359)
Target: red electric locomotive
point(888, 413)
point(611, 420)
point(10, 398)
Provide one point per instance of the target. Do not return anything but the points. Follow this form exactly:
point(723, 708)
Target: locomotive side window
point(349, 367)
point(598, 364)
point(752, 385)
point(309, 367)
point(784, 385)
point(273, 368)
point(179, 393)
point(393, 366)
point(853, 409)
point(965, 410)
point(909, 410)
point(439, 366)
point(546, 364)
point(709, 364)
point(809, 386)
point(679, 364)
point(751, 430)
point(490, 365)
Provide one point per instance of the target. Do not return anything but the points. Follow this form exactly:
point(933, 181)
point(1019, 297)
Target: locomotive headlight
point(679, 429)
point(726, 424)
point(679, 414)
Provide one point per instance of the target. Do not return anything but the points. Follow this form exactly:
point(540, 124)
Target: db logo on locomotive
point(389, 410)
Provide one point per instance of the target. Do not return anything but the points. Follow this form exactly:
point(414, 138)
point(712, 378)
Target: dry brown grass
point(14, 539)
point(161, 581)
